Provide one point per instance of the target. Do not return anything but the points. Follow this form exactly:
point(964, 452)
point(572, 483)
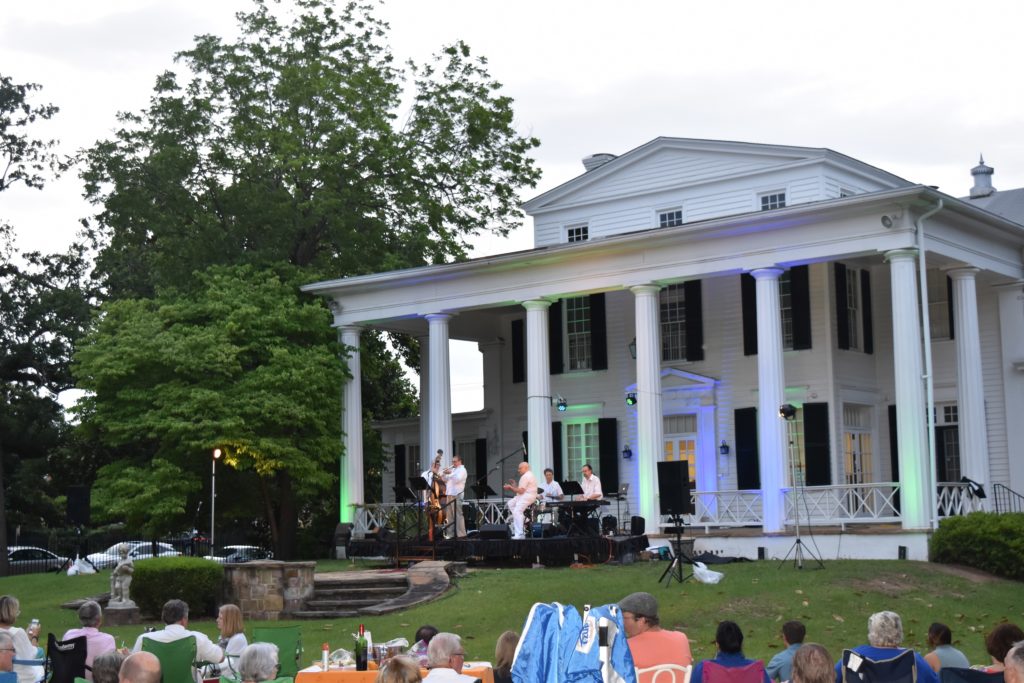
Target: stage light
point(631, 398)
point(561, 404)
point(787, 411)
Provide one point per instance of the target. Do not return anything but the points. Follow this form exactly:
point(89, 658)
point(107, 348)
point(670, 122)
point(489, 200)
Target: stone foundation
point(268, 589)
point(114, 615)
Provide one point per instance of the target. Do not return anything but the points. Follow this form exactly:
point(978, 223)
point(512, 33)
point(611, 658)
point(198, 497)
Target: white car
point(140, 550)
point(239, 553)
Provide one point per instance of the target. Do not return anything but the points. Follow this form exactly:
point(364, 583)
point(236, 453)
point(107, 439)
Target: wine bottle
point(361, 649)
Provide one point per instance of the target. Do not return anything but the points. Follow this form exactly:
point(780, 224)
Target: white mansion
point(712, 282)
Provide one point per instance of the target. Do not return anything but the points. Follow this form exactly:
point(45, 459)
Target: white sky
point(918, 88)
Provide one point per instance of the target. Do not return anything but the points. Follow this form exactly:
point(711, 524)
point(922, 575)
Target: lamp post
point(213, 492)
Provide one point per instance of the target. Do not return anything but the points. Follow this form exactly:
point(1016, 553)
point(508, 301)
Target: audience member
point(779, 667)
point(6, 652)
point(943, 653)
point(140, 667)
point(1014, 664)
point(107, 666)
point(998, 642)
point(232, 641)
point(504, 653)
point(90, 615)
point(10, 609)
point(885, 633)
point(400, 669)
point(421, 641)
point(811, 664)
point(445, 657)
point(175, 618)
point(648, 642)
point(729, 639)
point(258, 663)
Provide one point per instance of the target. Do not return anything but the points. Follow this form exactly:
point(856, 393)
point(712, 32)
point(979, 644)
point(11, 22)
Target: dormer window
point(773, 200)
point(577, 233)
point(670, 218)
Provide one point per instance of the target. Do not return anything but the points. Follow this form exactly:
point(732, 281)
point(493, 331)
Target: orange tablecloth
point(484, 673)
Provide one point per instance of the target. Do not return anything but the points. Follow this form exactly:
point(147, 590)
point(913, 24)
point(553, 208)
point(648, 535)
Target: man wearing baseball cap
point(649, 643)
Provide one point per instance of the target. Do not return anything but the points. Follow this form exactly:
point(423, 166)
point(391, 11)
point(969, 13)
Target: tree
point(243, 362)
point(287, 146)
point(23, 159)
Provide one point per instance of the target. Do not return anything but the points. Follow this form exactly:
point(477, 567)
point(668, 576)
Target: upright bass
point(437, 499)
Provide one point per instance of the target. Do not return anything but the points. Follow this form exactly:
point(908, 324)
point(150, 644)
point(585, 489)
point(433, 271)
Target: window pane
point(670, 218)
point(580, 447)
point(577, 233)
point(577, 325)
point(673, 323)
point(786, 309)
point(775, 200)
point(853, 306)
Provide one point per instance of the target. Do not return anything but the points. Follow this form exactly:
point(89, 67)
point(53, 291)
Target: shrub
point(983, 540)
point(194, 580)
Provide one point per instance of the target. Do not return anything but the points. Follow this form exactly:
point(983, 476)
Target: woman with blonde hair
point(232, 641)
point(400, 669)
point(10, 609)
point(504, 653)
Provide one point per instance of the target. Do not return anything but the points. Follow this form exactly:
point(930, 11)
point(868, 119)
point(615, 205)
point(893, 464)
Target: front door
point(681, 442)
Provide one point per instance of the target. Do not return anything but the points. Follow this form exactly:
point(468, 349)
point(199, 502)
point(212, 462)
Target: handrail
point(1006, 499)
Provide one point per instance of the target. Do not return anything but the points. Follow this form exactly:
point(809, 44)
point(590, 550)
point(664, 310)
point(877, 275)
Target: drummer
point(552, 489)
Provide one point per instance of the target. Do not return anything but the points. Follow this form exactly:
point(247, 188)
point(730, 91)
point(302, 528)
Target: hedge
point(196, 581)
point(983, 540)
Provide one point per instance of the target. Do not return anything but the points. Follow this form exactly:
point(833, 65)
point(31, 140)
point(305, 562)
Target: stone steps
point(349, 594)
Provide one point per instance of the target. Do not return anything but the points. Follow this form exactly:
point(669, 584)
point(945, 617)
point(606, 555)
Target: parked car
point(25, 559)
point(240, 553)
point(140, 550)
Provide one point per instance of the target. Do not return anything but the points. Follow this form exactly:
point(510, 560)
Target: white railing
point(838, 505)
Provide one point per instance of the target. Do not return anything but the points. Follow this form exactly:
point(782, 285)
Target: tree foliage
point(242, 362)
point(287, 146)
point(23, 158)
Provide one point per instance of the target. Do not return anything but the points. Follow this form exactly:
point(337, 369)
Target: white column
point(426, 453)
point(911, 431)
point(771, 386)
point(351, 470)
point(440, 391)
point(650, 423)
point(538, 387)
point(970, 392)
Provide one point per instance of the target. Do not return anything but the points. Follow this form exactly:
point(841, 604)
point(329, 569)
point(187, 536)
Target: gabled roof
point(775, 155)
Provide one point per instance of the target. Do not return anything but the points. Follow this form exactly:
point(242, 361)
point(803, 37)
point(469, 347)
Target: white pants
point(455, 508)
point(517, 506)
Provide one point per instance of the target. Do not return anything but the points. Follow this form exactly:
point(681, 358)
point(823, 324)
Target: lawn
point(834, 603)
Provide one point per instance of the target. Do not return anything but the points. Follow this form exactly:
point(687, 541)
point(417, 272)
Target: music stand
point(483, 490)
point(572, 488)
point(403, 494)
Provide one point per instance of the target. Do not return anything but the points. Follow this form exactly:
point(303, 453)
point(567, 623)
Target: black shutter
point(865, 311)
point(949, 305)
point(941, 473)
point(894, 453)
point(400, 465)
point(608, 447)
point(555, 338)
point(518, 352)
point(842, 306)
point(694, 320)
point(525, 445)
point(556, 449)
point(748, 296)
point(481, 462)
point(598, 333)
point(817, 445)
point(800, 302)
point(748, 469)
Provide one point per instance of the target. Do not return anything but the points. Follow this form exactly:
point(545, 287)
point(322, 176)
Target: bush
point(194, 580)
point(983, 540)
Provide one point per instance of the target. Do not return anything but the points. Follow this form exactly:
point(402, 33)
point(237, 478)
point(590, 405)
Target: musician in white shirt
point(455, 480)
point(552, 489)
point(591, 484)
point(526, 495)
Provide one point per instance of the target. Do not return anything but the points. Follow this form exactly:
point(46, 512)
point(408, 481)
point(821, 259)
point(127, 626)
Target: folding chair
point(899, 669)
point(948, 674)
point(65, 659)
point(41, 663)
point(177, 658)
point(664, 673)
point(8, 677)
point(716, 673)
point(289, 646)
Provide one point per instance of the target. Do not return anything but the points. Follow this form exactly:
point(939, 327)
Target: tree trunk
point(287, 517)
point(4, 567)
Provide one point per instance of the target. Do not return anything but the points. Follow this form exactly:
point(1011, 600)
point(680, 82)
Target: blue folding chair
point(952, 674)
point(860, 669)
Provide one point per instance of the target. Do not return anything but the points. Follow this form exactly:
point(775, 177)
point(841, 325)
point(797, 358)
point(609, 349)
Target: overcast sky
point(916, 88)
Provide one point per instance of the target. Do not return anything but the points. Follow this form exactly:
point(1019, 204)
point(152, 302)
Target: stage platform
point(552, 551)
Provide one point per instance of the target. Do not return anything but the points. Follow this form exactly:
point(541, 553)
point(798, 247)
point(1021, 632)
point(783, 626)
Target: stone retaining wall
point(268, 589)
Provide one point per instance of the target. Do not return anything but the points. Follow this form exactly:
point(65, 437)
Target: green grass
point(834, 603)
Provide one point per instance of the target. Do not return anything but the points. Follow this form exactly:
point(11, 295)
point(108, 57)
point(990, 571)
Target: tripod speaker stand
point(798, 549)
point(675, 571)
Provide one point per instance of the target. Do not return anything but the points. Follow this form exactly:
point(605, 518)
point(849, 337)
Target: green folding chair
point(177, 658)
point(289, 646)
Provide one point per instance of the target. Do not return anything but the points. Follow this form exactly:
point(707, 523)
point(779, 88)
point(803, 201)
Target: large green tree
point(291, 144)
point(241, 361)
point(303, 142)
